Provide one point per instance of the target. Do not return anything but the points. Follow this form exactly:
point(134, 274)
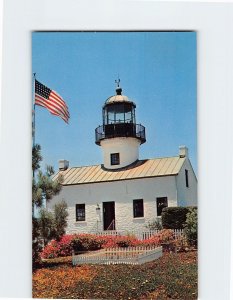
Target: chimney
point(63, 164)
point(183, 151)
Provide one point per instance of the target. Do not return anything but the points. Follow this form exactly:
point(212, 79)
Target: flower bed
point(91, 242)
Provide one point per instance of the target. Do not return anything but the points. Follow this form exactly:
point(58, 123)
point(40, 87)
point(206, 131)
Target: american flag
point(50, 99)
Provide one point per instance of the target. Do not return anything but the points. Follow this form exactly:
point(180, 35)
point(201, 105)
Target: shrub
point(154, 225)
point(89, 242)
point(153, 241)
point(190, 227)
point(118, 241)
point(50, 250)
point(57, 249)
point(85, 242)
point(166, 236)
point(181, 244)
point(108, 241)
point(174, 217)
point(124, 241)
point(65, 245)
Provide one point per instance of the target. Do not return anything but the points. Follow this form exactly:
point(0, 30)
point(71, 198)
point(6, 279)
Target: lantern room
point(118, 110)
point(119, 119)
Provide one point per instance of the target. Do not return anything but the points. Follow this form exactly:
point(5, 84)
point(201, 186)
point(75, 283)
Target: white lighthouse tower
point(119, 136)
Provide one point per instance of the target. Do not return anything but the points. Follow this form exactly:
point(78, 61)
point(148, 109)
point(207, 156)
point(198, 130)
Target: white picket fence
point(141, 235)
point(130, 255)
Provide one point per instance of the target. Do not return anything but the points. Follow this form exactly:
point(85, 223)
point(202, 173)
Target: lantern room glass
point(119, 113)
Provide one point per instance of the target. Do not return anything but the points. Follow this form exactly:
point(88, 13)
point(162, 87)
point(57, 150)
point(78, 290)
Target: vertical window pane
point(128, 108)
point(119, 111)
point(80, 212)
point(161, 203)
point(138, 210)
point(187, 178)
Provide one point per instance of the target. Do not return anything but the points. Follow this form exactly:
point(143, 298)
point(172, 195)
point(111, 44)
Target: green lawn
point(174, 276)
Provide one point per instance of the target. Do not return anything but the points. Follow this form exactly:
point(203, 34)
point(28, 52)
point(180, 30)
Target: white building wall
point(187, 196)
point(122, 193)
point(127, 147)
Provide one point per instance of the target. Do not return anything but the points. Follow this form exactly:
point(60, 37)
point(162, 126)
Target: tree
point(43, 189)
point(191, 226)
point(60, 219)
point(52, 224)
point(46, 225)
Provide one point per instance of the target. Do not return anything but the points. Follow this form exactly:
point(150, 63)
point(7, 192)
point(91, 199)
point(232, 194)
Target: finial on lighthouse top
point(118, 88)
point(118, 98)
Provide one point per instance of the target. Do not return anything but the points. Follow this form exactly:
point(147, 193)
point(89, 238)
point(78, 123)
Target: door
point(109, 215)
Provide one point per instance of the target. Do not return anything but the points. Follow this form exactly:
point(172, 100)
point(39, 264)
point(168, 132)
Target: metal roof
point(117, 99)
point(167, 166)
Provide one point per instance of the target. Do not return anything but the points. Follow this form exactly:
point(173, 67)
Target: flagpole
point(34, 111)
point(33, 128)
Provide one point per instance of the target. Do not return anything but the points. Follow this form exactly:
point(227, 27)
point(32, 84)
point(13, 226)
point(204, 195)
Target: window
point(115, 158)
point(161, 203)
point(80, 212)
point(187, 178)
point(138, 210)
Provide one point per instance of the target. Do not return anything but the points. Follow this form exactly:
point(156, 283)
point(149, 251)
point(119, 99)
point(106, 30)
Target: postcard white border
point(214, 25)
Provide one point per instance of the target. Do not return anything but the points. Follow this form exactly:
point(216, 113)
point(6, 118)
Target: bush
point(154, 225)
point(190, 227)
point(87, 242)
point(64, 247)
point(124, 241)
point(129, 241)
point(181, 244)
point(174, 217)
point(58, 249)
point(90, 242)
point(153, 241)
point(51, 250)
point(118, 241)
point(166, 236)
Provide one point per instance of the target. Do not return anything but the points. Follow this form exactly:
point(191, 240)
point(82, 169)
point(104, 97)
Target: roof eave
point(124, 179)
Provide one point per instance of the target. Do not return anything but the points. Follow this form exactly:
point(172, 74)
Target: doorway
point(109, 215)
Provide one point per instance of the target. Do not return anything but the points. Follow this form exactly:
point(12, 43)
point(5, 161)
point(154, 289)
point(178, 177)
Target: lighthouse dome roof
point(119, 98)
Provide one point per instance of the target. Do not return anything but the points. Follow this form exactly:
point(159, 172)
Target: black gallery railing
point(120, 130)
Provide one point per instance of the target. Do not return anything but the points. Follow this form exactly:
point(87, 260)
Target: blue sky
point(157, 71)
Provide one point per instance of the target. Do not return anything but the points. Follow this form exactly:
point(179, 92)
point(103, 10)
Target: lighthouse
point(124, 193)
point(119, 136)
